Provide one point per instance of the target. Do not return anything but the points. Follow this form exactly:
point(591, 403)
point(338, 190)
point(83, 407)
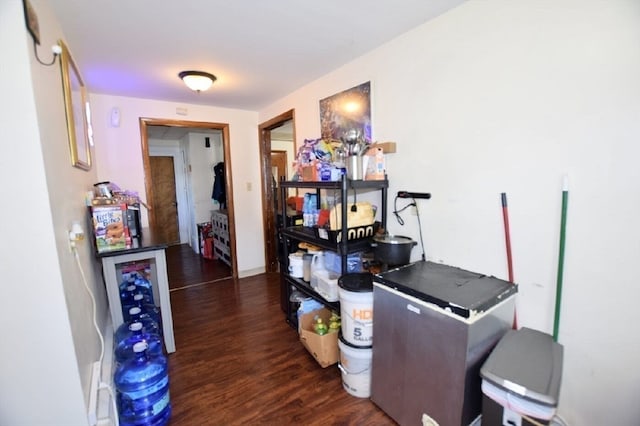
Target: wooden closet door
point(164, 199)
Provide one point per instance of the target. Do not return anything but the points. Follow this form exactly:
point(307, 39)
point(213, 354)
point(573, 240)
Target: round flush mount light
point(197, 81)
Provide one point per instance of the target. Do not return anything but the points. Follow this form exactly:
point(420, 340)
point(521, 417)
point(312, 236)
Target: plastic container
point(333, 262)
point(124, 347)
point(327, 285)
point(136, 314)
point(521, 378)
point(147, 307)
point(356, 308)
point(142, 389)
point(144, 285)
point(317, 264)
point(306, 266)
point(134, 284)
point(126, 297)
point(296, 268)
point(355, 366)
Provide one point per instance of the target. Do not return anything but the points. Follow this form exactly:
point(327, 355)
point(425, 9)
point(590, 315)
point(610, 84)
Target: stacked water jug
point(141, 373)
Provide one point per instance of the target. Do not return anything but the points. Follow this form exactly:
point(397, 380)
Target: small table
point(145, 247)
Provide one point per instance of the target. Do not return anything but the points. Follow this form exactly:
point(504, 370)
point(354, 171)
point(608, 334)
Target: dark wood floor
point(237, 362)
point(186, 268)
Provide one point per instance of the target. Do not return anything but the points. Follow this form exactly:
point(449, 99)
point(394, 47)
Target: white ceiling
point(259, 50)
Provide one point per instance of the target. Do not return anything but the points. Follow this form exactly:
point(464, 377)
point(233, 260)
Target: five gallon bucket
point(356, 308)
point(355, 365)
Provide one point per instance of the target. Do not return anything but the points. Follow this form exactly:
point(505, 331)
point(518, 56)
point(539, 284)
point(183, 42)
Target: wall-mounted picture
point(345, 111)
point(76, 108)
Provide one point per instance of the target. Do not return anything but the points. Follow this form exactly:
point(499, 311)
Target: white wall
point(202, 160)
point(48, 340)
point(503, 96)
point(120, 159)
point(201, 177)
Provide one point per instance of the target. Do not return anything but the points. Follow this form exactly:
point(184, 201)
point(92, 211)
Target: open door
point(156, 209)
point(269, 190)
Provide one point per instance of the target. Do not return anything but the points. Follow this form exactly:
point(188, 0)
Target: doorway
point(276, 135)
point(158, 205)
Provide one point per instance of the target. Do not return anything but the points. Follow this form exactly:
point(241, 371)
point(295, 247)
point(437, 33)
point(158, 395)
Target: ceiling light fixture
point(197, 81)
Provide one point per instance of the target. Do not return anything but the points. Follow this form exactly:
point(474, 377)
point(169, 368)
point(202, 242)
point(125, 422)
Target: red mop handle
point(507, 236)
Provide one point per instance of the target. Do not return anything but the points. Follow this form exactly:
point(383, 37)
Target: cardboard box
point(323, 348)
point(110, 229)
point(387, 147)
point(310, 173)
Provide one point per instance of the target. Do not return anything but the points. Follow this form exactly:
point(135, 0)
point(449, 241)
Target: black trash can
point(521, 379)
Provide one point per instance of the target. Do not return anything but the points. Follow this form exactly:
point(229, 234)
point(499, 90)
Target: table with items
point(147, 253)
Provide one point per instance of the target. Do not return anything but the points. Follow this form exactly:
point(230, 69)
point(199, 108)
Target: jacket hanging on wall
point(218, 193)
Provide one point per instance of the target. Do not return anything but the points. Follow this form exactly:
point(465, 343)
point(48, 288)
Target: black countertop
point(457, 290)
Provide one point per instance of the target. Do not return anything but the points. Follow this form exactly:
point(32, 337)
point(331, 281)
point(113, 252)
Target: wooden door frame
point(268, 216)
point(224, 128)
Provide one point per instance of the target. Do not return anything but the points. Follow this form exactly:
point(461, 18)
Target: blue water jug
point(145, 287)
point(124, 347)
point(147, 307)
point(126, 298)
point(142, 284)
point(142, 389)
point(136, 314)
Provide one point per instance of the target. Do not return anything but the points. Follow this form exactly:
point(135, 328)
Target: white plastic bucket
point(355, 292)
point(355, 365)
point(296, 265)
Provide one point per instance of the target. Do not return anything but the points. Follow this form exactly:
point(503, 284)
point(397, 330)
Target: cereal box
point(110, 228)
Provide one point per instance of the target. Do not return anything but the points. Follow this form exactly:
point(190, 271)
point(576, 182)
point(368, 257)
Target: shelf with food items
point(353, 155)
point(330, 241)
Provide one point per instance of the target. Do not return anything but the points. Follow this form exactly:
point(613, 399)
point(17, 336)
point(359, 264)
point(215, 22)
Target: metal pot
point(392, 250)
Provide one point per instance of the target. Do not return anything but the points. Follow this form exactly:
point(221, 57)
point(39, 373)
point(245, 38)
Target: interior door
point(268, 190)
point(279, 172)
point(164, 199)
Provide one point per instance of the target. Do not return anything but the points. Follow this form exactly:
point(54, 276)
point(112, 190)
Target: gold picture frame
point(76, 109)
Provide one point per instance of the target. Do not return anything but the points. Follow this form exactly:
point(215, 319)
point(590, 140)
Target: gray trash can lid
point(528, 363)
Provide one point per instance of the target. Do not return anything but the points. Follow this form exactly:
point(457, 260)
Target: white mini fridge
point(433, 327)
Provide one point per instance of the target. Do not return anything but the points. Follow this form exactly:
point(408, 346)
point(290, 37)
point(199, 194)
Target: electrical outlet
point(75, 234)
point(92, 414)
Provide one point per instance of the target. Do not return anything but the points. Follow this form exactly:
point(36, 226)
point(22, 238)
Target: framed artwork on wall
point(346, 111)
point(76, 109)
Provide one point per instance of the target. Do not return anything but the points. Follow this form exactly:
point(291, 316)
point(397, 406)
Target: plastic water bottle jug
point(126, 297)
point(142, 389)
point(144, 286)
point(136, 315)
point(137, 333)
point(147, 307)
